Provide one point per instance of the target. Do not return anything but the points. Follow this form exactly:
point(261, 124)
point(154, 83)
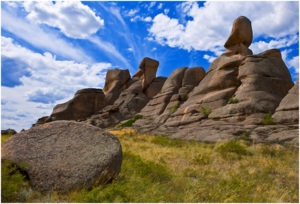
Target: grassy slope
point(157, 169)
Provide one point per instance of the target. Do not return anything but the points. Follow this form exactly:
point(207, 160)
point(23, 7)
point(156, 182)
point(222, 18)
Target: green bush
point(205, 111)
point(129, 122)
point(268, 120)
point(13, 183)
point(232, 100)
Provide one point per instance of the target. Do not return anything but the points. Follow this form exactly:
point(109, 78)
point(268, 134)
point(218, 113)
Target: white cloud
point(209, 58)
point(261, 46)
point(151, 5)
point(37, 37)
point(160, 5)
point(166, 11)
point(131, 12)
point(291, 62)
point(205, 30)
point(139, 18)
point(73, 18)
point(111, 51)
point(50, 82)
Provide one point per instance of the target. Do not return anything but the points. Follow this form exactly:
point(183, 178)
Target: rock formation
point(137, 92)
point(232, 99)
point(288, 109)
point(65, 155)
point(85, 103)
point(174, 92)
point(115, 83)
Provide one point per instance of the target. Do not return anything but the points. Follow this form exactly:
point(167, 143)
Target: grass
point(205, 111)
point(130, 122)
point(232, 100)
point(159, 169)
point(268, 120)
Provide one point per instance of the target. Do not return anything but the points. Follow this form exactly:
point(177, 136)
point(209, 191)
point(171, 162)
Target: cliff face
point(233, 98)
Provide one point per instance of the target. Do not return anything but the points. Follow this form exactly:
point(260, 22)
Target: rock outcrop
point(174, 92)
point(65, 155)
point(288, 109)
point(233, 98)
point(115, 83)
point(85, 103)
point(8, 131)
point(135, 95)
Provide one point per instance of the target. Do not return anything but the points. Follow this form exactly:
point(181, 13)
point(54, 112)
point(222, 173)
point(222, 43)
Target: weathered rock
point(65, 155)
point(265, 80)
point(115, 83)
point(8, 131)
point(174, 92)
point(85, 103)
point(147, 71)
point(155, 87)
point(129, 103)
point(288, 109)
point(240, 37)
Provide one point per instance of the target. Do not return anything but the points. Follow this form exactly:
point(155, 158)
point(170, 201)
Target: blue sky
point(49, 50)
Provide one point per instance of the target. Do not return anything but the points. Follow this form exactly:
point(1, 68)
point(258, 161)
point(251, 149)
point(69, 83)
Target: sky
point(49, 50)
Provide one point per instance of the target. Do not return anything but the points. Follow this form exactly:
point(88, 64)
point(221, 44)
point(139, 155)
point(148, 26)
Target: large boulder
point(265, 80)
point(65, 155)
point(147, 71)
point(288, 109)
point(240, 37)
point(115, 83)
point(84, 104)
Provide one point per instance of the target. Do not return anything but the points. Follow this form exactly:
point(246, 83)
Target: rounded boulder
point(65, 155)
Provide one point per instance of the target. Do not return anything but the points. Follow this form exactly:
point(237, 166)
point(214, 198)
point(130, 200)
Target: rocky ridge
point(232, 99)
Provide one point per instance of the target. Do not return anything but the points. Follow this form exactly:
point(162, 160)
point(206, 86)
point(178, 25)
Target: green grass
point(205, 111)
point(158, 169)
point(268, 120)
point(232, 100)
point(130, 122)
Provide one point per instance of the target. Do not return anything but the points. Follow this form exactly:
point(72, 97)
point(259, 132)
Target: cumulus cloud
point(51, 81)
point(205, 30)
point(73, 18)
point(261, 46)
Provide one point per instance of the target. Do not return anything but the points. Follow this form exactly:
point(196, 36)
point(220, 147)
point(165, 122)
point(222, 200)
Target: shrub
point(129, 122)
point(13, 183)
point(268, 120)
point(232, 100)
point(205, 111)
